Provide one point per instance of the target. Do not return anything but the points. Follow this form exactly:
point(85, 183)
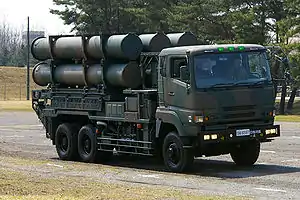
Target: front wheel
point(176, 157)
point(246, 153)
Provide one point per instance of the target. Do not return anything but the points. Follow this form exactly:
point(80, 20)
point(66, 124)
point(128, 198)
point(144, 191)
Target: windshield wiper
point(250, 84)
point(220, 85)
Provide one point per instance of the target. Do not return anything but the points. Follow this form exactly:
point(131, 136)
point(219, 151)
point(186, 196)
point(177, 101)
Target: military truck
point(155, 94)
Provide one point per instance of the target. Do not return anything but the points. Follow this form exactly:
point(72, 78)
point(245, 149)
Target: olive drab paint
point(139, 94)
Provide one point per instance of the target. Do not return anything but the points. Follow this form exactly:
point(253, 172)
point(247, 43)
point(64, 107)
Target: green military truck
point(156, 94)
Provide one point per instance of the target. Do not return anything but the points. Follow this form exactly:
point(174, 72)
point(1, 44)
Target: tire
point(87, 149)
point(176, 158)
point(246, 154)
point(87, 146)
point(66, 142)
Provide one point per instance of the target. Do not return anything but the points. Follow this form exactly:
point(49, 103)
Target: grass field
point(13, 83)
point(15, 105)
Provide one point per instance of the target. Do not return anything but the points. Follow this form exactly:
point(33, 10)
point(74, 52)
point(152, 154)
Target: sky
point(15, 12)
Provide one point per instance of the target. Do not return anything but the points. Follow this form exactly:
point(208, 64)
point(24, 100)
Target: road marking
point(54, 165)
point(263, 151)
point(13, 136)
point(149, 175)
point(292, 160)
point(262, 163)
point(22, 126)
point(270, 190)
point(296, 137)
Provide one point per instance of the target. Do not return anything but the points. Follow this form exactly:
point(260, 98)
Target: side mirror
point(184, 74)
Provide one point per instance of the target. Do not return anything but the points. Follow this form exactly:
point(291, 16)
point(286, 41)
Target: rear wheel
point(66, 141)
point(246, 154)
point(87, 144)
point(176, 157)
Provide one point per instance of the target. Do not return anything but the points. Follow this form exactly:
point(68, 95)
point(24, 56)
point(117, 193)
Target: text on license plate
point(243, 132)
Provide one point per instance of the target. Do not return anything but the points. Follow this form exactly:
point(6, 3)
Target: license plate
point(243, 132)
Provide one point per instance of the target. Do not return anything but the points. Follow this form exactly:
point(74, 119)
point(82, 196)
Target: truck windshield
point(231, 69)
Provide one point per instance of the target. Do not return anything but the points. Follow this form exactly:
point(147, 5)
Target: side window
point(176, 63)
point(253, 63)
point(258, 65)
point(162, 66)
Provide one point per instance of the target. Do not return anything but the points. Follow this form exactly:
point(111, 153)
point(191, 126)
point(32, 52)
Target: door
point(175, 92)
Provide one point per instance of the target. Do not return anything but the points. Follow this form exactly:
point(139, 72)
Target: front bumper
point(262, 134)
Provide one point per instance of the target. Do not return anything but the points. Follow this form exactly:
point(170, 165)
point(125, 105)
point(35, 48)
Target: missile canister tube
point(119, 75)
point(41, 74)
point(127, 46)
point(68, 48)
point(128, 76)
point(183, 39)
point(70, 75)
point(155, 42)
point(94, 47)
point(94, 75)
point(40, 49)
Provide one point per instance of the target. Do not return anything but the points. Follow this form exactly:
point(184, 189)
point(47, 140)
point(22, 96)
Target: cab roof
point(209, 48)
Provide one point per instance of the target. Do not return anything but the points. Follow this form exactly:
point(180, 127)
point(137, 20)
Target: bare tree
point(11, 47)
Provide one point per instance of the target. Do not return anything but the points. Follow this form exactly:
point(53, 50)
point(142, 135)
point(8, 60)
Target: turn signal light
point(98, 132)
point(271, 131)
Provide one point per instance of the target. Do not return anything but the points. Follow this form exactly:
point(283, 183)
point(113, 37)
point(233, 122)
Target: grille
point(239, 108)
point(239, 115)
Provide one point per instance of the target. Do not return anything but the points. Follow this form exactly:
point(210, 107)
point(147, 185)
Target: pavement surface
point(276, 174)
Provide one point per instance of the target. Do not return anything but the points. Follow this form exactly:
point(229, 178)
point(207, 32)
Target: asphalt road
point(275, 176)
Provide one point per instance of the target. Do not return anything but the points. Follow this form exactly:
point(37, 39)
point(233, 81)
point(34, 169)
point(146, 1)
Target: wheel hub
point(173, 153)
point(64, 143)
point(87, 145)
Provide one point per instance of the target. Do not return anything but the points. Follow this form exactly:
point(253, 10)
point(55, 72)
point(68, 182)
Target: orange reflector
point(139, 126)
point(98, 132)
point(206, 119)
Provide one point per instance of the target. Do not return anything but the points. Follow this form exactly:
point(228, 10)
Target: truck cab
point(218, 99)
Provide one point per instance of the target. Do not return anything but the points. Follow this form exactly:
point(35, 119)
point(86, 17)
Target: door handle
point(171, 93)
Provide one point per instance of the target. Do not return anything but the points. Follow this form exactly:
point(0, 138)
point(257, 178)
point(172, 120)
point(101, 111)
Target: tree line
point(266, 22)
point(214, 21)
